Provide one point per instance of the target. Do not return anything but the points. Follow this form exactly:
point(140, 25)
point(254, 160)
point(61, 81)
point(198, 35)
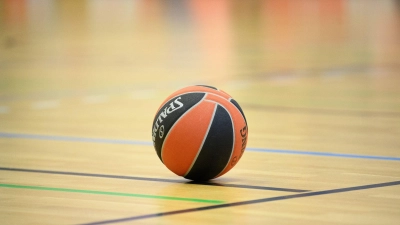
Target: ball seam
point(173, 125)
point(202, 143)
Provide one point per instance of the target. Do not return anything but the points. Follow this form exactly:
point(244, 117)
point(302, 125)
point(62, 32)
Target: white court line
point(4, 109)
point(143, 94)
point(239, 84)
point(95, 99)
point(51, 104)
point(285, 78)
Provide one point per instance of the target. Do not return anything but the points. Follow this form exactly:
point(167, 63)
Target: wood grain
point(80, 82)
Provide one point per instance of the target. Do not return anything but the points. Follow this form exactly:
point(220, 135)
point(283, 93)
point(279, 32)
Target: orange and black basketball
point(199, 132)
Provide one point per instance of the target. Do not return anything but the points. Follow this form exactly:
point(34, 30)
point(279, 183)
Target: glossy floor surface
point(80, 83)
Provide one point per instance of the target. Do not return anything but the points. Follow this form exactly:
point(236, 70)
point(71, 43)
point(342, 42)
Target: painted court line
point(95, 99)
point(42, 188)
point(4, 109)
point(143, 94)
point(250, 202)
point(151, 179)
point(51, 104)
point(148, 143)
point(327, 154)
point(72, 139)
point(249, 187)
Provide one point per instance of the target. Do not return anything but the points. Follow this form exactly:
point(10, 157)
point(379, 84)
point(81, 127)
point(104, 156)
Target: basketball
point(199, 132)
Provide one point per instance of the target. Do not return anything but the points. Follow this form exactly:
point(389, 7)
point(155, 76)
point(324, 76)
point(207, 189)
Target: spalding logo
point(173, 106)
point(243, 133)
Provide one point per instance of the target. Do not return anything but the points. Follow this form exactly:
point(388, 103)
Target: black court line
point(151, 179)
point(263, 200)
point(248, 186)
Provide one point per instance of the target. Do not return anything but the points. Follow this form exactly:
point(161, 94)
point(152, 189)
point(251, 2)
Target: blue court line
point(327, 154)
point(148, 143)
point(73, 139)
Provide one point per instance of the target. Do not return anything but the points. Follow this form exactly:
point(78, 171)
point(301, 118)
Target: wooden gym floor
point(80, 82)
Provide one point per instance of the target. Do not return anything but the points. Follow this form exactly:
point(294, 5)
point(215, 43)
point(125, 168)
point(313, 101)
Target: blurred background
point(60, 60)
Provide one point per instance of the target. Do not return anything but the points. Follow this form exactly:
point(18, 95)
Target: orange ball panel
point(196, 89)
point(185, 138)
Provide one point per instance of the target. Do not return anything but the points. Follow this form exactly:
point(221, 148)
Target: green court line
point(110, 193)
